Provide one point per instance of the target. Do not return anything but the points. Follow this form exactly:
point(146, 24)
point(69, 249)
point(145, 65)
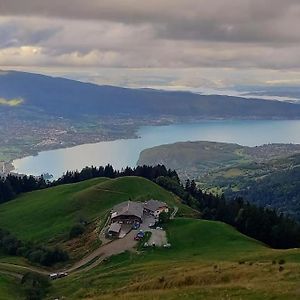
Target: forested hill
point(21, 91)
point(267, 175)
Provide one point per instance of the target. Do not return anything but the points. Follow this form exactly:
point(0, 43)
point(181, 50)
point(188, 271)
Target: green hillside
point(207, 260)
point(8, 288)
point(47, 214)
point(210, 240)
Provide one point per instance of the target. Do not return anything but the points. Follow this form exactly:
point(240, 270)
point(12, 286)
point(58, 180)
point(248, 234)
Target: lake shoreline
point(125, 152)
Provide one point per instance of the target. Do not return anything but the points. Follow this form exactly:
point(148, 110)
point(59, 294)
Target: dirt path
point(174, 212)
point(112, 248)
point(23, 268)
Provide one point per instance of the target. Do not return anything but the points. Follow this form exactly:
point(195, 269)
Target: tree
point(164, 217)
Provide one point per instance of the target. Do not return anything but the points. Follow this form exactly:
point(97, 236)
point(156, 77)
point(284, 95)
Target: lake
point(122, 153)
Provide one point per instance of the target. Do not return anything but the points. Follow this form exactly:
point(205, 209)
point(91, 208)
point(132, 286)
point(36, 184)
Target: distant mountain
point(69, 98)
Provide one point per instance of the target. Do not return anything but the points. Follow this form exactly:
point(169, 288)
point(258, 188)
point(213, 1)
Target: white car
point(62, 274)
point(53, 276)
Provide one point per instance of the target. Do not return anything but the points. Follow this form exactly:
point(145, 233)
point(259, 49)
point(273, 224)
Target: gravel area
point(158, 237)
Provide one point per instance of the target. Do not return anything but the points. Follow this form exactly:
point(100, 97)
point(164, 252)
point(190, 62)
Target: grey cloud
point(228, 20)
point(256, 34)
point(15, 33)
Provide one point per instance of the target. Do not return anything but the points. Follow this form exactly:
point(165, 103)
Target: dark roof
point(154, 205)
point(128, 208)
point(114, 227)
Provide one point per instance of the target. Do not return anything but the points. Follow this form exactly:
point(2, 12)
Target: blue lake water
point(122, 153)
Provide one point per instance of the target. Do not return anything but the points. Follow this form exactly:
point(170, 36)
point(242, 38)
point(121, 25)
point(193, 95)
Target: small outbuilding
point(155, 207)
point(114, 229)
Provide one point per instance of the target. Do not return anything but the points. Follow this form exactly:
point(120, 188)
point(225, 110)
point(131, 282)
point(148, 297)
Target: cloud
point(228, 20)
point(236, 35)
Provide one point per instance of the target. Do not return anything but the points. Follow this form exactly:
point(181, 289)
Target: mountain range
point(40, 94)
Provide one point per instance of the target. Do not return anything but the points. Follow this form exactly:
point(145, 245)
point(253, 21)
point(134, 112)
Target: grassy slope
point(43, 215)
point(8, 288)
point(202, 264)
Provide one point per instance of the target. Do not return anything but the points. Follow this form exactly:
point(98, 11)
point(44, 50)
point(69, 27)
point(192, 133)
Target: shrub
point(35, 256)
point(281, 268)
point(164, 217)
point(35, 286)
point(76, 230)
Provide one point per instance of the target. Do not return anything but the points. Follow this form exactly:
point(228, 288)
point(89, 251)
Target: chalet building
point(128, 212)
point(155, 207)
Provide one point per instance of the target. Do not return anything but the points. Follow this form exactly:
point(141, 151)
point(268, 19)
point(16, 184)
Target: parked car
point(136, 226)
point(140, 235)
point(53, 276)
point(62, 274)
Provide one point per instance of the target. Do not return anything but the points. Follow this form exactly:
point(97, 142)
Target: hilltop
point(48, 214)
point(200, 158)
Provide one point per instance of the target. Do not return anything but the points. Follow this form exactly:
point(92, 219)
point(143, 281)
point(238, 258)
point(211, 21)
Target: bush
point(281, 268)
point(164, 217)
point(36, 256)
point(35, 286)
point(76, 230)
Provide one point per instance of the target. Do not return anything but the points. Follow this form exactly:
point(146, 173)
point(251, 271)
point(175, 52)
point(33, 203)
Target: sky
point(171, 44)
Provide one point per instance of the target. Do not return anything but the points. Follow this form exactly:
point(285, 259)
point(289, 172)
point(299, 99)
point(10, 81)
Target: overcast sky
point(167, 43)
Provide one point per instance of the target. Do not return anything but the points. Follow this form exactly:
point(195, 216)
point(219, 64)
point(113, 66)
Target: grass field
point(208, 260)
point(8, 288)
point(45, 215)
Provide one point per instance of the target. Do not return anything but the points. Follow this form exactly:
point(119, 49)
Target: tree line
point(263, 224)
point(45, 256)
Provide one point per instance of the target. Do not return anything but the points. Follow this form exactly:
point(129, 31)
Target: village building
point(128, 212)
point(155, 207)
